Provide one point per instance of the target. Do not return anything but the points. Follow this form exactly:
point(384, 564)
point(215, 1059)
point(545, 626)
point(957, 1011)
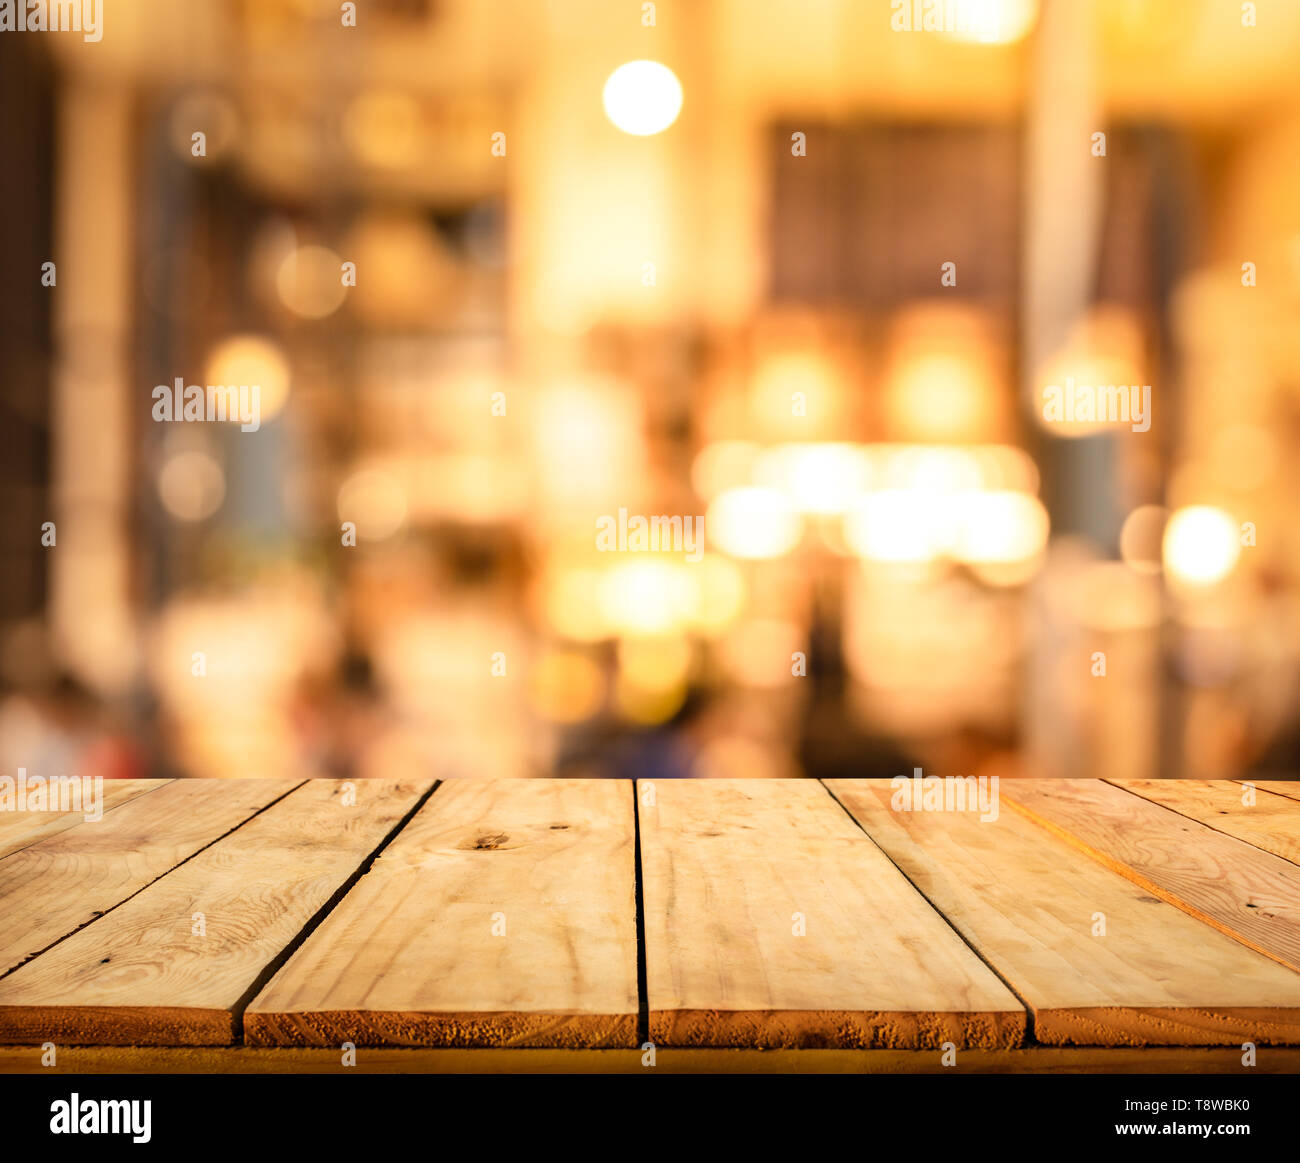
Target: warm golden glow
point(1140, 538)
point(383, 129)
point(720, 594)
point(646, 596)
point(249, 360)
point(1000, 527)
point(939, 396)
point(753, 523)
point(1201, 545)
point(989, 21)
point(818, 478)
point(900, 525)
point(728, 464)
point(586, 439)
point(566, 687)
point(191, 486)
point(1105, 349)
point(758, 652)
point(571, 604)
point(655, 664)
point(375, 502)
point(640, 705)
point(996, 527)
point(643, 97)
point(310, 282)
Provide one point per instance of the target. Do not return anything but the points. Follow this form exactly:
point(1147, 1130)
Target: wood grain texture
point(1182, 1060)
point(410, 956)
point(726, 866)
point(1027, 901)
point(1249, 894)
point(1282, 787)
point(1272, 822)
point(142, 976)
point(22, 829)
point(59, 884)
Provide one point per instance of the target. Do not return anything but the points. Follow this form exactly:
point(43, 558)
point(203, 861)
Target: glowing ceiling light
point(1201, 545)
point(643, 97)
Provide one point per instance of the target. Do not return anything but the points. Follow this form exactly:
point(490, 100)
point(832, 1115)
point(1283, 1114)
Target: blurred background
point(492, 292)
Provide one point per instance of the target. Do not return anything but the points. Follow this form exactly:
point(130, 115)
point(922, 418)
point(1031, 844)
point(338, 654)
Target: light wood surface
point(508, 925)
point(730, 867)
point(1237, 888)
point(1098, 959)
point(51, 888)
point(1271, 822)
point(1282, 787)
point(503, 915)
point(150, 973)
point(21, 829)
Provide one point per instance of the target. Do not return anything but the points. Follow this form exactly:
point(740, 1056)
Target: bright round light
point(643, 97)
point(1202, 545)
point(249, 360)
point(1000, 526)
point(647, 596)
point(754, 523)
point(900, 526)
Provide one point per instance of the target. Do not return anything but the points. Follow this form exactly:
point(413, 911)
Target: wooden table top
point(258, 917)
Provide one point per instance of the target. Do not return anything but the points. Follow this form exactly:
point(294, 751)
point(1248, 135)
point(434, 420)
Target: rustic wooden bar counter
point(556, 925)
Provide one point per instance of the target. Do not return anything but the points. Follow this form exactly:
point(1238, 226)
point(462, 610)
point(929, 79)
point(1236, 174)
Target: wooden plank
point(20, 829)
point(1251, 895)
point(142, 976)
point(1282, 787)
point(1272, 822)
point(1181, 1060)
point(504, 914)
point(730, 866)
point(49, 889)
point(1028, 902)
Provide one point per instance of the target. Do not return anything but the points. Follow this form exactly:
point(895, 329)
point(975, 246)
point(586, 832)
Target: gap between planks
point(114, 859)
point(1030, 1035)
point(143, 975)
point(418, 953)
point(773, 921)
point(644, 1014)
point(1030, 905)
point(1245, 892)
point(1270, 823)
